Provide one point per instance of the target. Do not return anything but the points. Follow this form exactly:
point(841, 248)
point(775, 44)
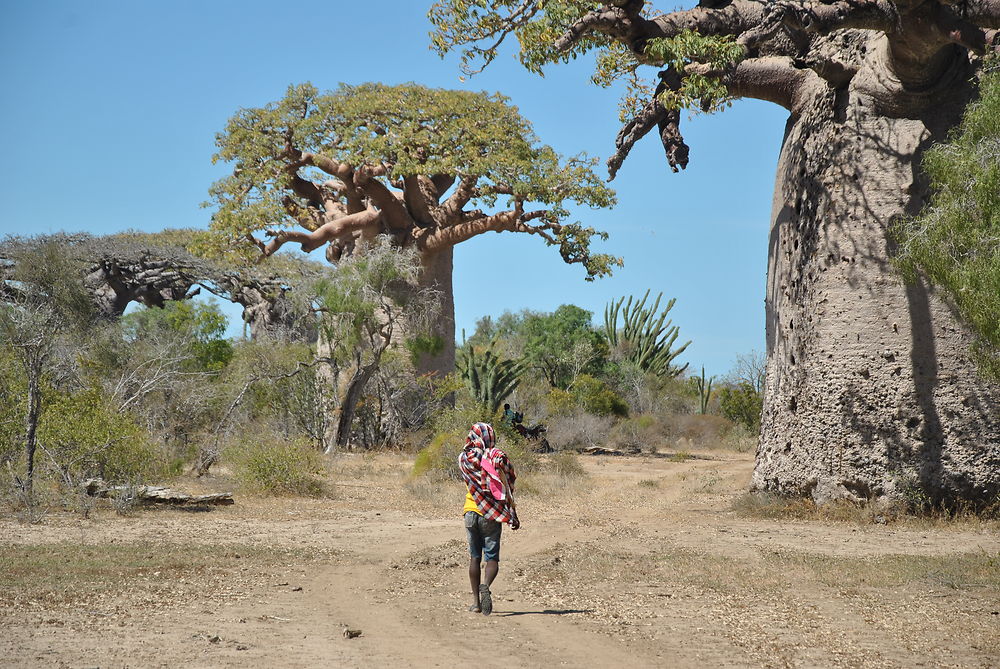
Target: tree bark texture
point(870, 390)
point(436, 275)
point(34, 373)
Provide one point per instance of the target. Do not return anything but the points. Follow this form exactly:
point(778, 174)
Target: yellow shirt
point(470, 505)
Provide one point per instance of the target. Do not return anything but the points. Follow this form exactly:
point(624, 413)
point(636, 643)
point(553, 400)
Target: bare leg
point(492, 567)
point(474, 575)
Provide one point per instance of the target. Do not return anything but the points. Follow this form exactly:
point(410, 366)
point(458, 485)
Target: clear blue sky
point(110, 108)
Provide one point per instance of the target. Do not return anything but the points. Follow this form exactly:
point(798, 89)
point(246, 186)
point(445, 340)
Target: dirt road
point(642, 563)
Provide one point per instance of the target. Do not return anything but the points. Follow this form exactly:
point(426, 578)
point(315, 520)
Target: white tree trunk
point(869, 390)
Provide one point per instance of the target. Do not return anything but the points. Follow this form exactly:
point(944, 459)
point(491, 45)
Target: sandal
point(485, 599)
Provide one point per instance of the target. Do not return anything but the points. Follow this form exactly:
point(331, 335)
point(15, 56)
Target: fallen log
point(155, 494)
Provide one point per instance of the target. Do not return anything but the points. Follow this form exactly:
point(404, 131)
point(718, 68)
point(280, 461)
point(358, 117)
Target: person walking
point(489, 502)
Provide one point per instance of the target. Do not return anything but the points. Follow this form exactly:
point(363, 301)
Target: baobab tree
point(870, 390)
point(428, 168)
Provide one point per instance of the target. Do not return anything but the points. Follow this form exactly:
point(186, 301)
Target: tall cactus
point(490, 378)
point(704, 390)
point(644, 337)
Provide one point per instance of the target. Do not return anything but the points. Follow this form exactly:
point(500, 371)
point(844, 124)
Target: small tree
point(364, 304)
point(43, 310)
point(741, 397)
point(563, 345)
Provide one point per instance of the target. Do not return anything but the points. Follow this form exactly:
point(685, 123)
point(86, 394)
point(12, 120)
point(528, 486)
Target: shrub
point(588, 393)
point(739, 439)
point(85, 437)
point(598, 398)
point(643, 432)
point(560, 402)
point(269, 466)
point(578, 430)
point(440, 457)
point(704, 430)
point(742, 404)
point(566, 463)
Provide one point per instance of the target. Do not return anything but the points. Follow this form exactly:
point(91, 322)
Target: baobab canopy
point(429, 167)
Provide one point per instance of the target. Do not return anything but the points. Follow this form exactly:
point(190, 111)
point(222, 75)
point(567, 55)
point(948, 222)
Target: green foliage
point(12, 407)
point(560, 402)
point(268, 465)
point(200, 326)
point(407, 130)
point(645, 338)
point(490, 378)
point(742, 404)
point(596, 397)
point(420, 345)
point(84, 437)
point(48, 272)
point(953, 241)
point(588, 393)
point(535, 23)
point(697, 90)
point(563, 344)
point(478, 27)
point(365, 298)
point(440, 456)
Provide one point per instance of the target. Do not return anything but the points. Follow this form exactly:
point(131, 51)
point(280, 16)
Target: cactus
point(704, 391)
point(490, 378)
point(644, 337)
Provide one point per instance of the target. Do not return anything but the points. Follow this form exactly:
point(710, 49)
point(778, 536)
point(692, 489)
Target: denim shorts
point(484, 536)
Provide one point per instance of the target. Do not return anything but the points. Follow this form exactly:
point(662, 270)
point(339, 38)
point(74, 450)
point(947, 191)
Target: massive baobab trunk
point(870, 390)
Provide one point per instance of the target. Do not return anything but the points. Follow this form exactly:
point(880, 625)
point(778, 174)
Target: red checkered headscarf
point(479, 444)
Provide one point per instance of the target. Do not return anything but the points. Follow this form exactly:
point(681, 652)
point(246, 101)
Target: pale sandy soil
point(640, 564)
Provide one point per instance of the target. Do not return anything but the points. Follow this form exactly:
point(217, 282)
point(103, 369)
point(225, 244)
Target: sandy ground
point(641, 563)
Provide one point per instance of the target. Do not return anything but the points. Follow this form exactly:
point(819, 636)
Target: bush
point(644, 432)
point(566, 463)
point(598, 398)
point(704, 430)
point(588, 393)
point(578, 430)
point(740, 439)
point(440, 457)
point(742, 404)
point(269, 466)
point(85, 437)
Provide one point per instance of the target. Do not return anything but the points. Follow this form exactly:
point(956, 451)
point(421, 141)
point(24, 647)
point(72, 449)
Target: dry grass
point(765, 506)
point(123, 574)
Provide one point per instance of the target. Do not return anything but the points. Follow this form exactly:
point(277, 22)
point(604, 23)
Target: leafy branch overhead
point(428, 167)
point(710, 54)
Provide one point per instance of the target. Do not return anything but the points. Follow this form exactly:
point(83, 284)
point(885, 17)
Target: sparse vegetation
point(269, 466)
